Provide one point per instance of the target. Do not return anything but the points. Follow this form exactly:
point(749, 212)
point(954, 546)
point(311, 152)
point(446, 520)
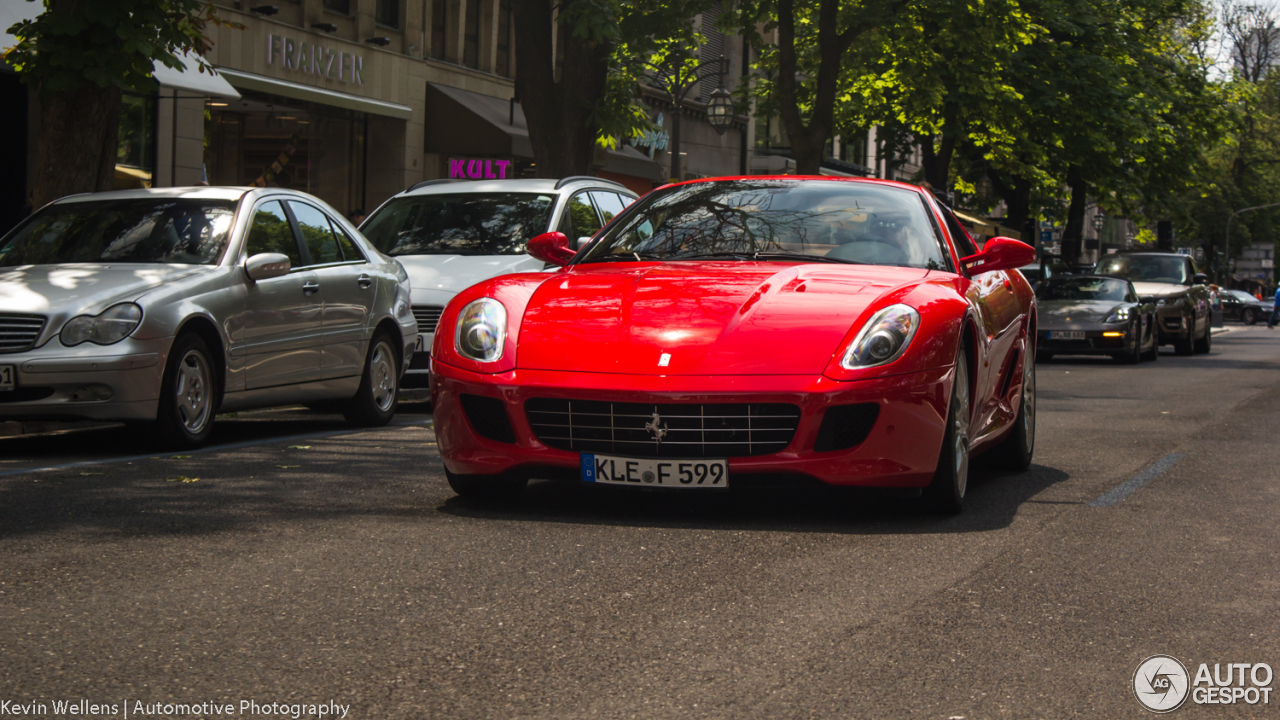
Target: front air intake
point(845, 426)
point(488, 416)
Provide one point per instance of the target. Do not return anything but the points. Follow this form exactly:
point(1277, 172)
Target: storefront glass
point(276, 142)
point(136, 142)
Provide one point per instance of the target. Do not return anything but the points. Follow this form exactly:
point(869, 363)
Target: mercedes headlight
point(1119, 316)
point(482, 330)
point(883, 339)
point(110, 326)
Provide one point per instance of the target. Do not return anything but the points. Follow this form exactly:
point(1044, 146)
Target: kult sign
point(478, 169)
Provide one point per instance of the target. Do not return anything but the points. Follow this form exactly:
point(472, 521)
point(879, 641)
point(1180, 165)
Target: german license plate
point(1066, 334)
point(8, 377)
point(651, 472)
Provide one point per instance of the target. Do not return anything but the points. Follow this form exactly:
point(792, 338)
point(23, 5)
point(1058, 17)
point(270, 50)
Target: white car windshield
point(459, 224)
point(142, 230)
point(816, 220)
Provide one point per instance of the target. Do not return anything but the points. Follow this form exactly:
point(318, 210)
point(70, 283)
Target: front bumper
point(1094, 342)
point(86, 382)
point(901, 449)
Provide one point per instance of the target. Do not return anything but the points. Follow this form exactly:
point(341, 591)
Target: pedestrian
point(356, 217)
point(1215, 306)
point(1275, 311)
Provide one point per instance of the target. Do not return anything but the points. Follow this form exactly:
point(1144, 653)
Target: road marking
point(202, 451)
point(1127, 488)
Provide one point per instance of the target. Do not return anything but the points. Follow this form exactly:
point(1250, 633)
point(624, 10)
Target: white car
point(451, 234)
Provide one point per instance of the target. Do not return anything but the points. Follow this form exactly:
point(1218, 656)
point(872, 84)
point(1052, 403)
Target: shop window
point(316, 233)
point(387, 12)
point(439, 26)
point(471, 39)
point(135, 142)
point(338, 6)
point(270, 233)
point(503, 66)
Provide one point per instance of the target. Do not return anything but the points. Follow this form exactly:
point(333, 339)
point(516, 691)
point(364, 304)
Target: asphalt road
point(301, 562)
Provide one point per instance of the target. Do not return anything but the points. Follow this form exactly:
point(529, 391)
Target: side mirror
point(582, 242)
point(551, 247)
point(265, 266)
point(1000, 253)
point(1200, 279)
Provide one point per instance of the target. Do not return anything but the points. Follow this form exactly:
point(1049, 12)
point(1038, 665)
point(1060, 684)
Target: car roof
point(1129, 253)
point(193, 192)
point(527, 185)
point(810, 178)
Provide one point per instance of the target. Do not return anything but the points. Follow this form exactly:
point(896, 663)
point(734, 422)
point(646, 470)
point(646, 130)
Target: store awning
point(189, 79)
point(309, 93)
point(461, 122)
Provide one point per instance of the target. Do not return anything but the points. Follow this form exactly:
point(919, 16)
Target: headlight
point(482, 330)
point(1119, 316)
point(883, 339)
point(110, 326)
point(1174, 301)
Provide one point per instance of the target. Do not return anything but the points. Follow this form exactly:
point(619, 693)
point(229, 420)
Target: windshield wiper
point(765, 255)
point(624, 257)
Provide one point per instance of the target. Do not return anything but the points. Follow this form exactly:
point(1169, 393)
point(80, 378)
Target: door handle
point(364, 281)
point(311, 288)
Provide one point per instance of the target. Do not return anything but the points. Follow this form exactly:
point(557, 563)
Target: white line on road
point(203, 450)
point(1127, 488)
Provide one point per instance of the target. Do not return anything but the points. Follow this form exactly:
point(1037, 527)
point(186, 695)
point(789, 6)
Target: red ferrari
point(746, 331)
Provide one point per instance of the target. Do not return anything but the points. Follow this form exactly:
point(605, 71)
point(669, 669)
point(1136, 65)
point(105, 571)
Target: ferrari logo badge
point(657, 429)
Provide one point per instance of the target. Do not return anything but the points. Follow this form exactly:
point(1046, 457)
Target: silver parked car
point(167, 306)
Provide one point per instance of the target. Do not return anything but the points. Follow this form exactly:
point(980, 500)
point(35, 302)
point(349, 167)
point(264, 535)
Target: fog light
point(92, 393)
point(1112, 334)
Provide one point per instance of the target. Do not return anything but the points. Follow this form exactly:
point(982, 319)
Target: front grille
point(428, 317)
point(19, 332)
point(720, 430)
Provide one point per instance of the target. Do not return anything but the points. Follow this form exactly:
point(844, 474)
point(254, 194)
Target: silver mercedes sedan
point(168, 306)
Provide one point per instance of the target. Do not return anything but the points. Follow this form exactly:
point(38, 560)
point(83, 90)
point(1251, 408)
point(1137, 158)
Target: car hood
point(454, 273)
point(710, 318)
point(80, 288)
point(1075, 311)
point(1152, 289)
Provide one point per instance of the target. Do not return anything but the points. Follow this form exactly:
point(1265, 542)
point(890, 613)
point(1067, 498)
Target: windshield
point(143, 230)
point(1146, 268)
point(1074, 288)
point(462, 224)
point(756, 219)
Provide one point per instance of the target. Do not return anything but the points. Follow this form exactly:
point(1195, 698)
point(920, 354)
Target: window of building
point(853, 148)
point(136, 142)
point(338, 6)
point(439, 26)
point(471, 38)
point(503, 66)
point(387, 12)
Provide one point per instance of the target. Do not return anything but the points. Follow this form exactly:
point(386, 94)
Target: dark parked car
point(1240, 305)
point(1179, 292)
point(1093, 315)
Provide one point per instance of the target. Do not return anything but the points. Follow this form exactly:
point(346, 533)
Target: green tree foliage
point(79, 55)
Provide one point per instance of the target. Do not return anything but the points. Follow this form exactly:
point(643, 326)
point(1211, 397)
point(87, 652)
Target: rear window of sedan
point(141, 230)
point(459, 224)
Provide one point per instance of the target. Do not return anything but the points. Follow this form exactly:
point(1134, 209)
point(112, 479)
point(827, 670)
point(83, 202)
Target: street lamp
point(1099, 219)
point(678, 82)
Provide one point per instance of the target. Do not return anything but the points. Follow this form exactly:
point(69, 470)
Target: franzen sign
point(311, 59)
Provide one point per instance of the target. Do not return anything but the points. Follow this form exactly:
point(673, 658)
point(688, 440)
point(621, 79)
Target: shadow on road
point(993, 500)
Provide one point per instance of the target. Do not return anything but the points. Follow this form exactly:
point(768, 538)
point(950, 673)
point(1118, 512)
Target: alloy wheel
point(960, 428)
point(191, 390)
point(382, 374)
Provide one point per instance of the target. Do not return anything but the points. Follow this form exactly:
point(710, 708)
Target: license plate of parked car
point(1066, 335)
point(418, 345)
point(8, 377)
point(651, 472)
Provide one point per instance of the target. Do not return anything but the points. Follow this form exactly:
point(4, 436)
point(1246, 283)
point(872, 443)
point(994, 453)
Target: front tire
point(1015, 452)
point(1204, 344)
point(950, 481)
point(1249, 317)
point(1187, 345)
point(375, 402)
point(188, 394)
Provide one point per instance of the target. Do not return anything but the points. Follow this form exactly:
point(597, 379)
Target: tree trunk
point(558, 111)
point(76, 152)
point(1016, 193)
point(1073, 235)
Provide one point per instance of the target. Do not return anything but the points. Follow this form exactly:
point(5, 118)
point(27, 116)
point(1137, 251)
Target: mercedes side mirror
point(551, 247)
point(265, 266)
point(1000, 253)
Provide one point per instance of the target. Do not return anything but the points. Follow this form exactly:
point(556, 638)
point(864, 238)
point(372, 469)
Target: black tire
point(1015, 452)
point(1044, 357)
point(945, 494)
point(188, 394)
point(1134, 355)
point(374, 403)
point(1187, 345)
point(493, 488)
point(1249, 317)
point(1204, 344)
point(1154, 353)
